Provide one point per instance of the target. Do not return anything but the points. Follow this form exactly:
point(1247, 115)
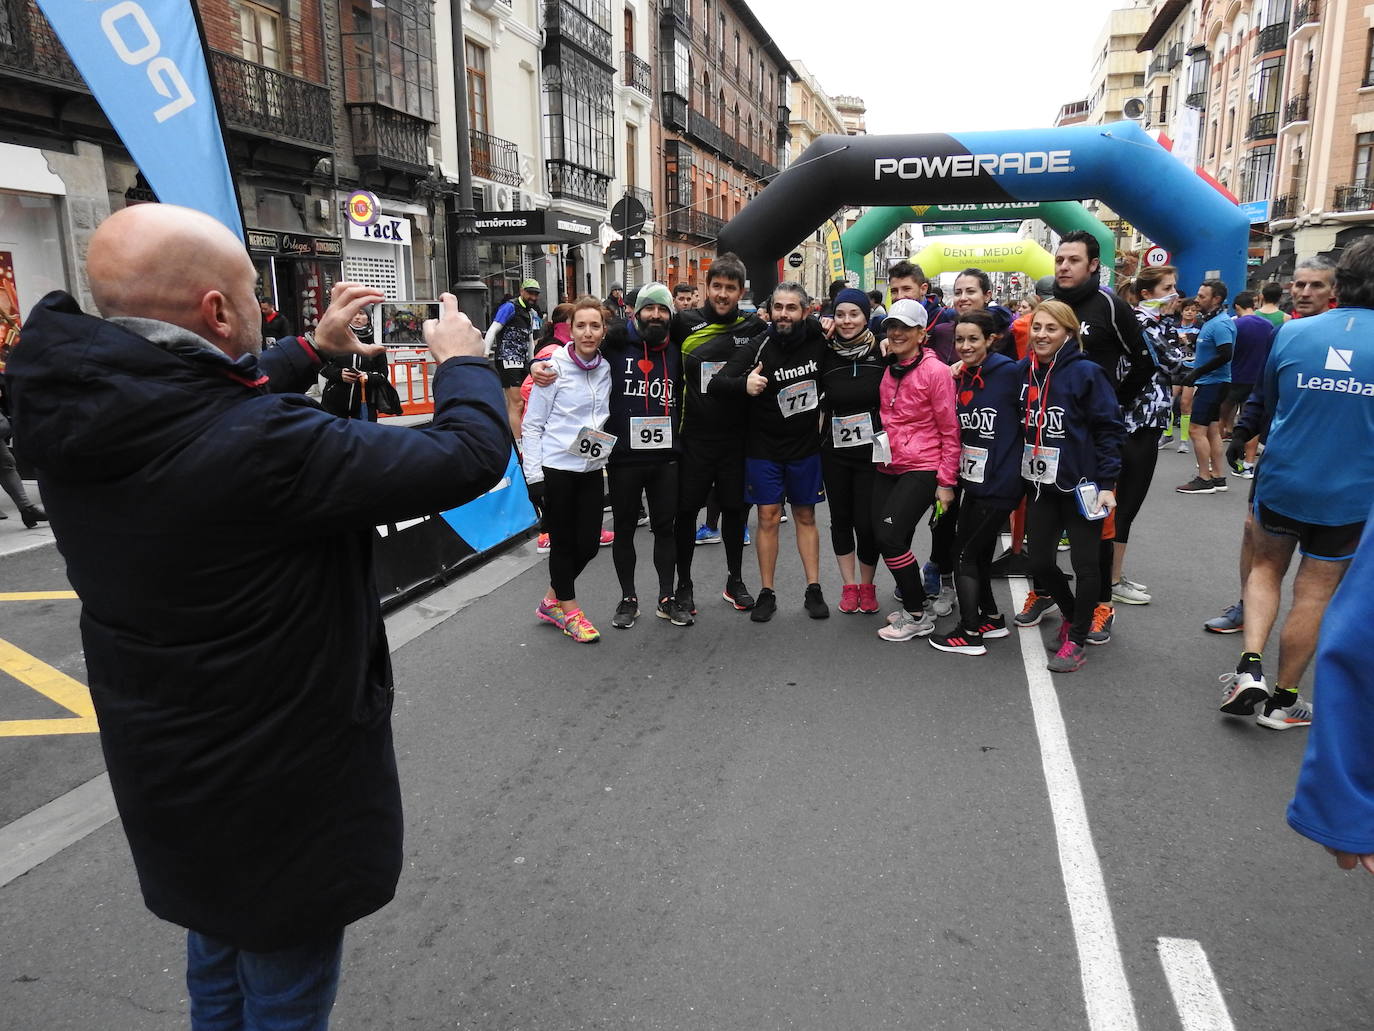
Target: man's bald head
point(160, 261)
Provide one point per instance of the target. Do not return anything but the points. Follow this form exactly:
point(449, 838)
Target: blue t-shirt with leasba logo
point(1218, 330)
point(1318, 463)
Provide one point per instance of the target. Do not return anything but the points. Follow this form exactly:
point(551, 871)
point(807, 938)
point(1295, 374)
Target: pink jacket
point(919, 415)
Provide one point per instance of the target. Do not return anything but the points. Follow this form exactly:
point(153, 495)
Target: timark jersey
point(782, 420)
point(1319, 460)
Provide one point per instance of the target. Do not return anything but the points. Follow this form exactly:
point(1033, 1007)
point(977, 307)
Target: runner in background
point(510, 340)
point(1186, 333)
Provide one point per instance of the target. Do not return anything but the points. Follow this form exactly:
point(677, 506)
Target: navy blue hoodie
point(989, 405)
point(1069, 405)
point(646, 381)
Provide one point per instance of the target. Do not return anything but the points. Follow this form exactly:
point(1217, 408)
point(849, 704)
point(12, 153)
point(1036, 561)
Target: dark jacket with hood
point(219, 533)
point(645, 382)
point(989, 406)
point(849, 386)
point(782, 420)
point(1110, 336)
point(707, 341)
point(1068, 404)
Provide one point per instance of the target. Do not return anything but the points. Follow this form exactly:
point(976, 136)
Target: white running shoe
point(903, 626)
point(1285, 717)
point(1241, 692)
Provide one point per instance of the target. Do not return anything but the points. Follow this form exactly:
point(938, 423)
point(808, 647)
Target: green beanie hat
point(653, 293)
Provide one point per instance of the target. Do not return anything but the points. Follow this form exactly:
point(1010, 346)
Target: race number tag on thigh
point(797, 398)
point(852, 430)
point(708, 371)
point(1040, 464)
point(592, 444)
point(882, 448)
point(650, 432)
point(973, 463)
point(513, 363)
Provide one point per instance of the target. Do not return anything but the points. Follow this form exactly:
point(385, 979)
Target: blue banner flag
point(145, 66)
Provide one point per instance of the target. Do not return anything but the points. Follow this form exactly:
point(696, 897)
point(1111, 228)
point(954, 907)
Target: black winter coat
point(220, 539)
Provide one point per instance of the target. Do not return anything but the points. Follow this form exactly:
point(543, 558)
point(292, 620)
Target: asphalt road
point(787, 826)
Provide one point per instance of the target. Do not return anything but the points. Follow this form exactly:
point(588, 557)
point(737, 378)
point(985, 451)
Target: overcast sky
point(971, 64)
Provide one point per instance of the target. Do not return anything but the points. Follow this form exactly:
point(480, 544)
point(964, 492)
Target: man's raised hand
point(334, 335)
point(452, 334)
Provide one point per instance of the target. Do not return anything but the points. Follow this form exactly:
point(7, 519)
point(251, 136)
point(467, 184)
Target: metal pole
point(468, 285)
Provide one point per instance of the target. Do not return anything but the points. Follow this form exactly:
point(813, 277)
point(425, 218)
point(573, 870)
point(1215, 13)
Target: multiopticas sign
point(966, 166)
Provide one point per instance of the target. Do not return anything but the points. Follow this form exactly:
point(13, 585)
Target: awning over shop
point(542, 225)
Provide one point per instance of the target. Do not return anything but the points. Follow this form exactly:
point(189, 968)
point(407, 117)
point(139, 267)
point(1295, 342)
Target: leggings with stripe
point(899, 502)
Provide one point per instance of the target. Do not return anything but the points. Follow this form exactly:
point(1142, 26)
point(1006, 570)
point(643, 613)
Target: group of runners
point(1047, 422)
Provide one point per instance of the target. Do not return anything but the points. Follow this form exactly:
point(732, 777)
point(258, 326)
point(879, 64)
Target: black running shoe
point(961, 641)
point(625, 614)
point(670, 609)
point(737, 594)
point(685, 599)
point(766, 607)
point(815, 604)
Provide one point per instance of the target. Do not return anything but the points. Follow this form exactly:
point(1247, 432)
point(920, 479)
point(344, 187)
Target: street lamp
point(468, 285)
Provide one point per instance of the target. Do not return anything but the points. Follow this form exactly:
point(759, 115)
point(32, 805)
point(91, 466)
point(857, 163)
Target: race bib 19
point(796, 398)
point(1040, 464)
point(591, 444)
point(973, 463)
point(650, 432)
point(852, 430)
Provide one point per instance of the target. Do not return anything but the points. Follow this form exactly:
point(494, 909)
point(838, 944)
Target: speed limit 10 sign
point(1156, 257)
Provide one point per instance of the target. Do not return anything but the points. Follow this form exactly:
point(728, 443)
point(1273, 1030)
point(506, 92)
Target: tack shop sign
point(391, 229)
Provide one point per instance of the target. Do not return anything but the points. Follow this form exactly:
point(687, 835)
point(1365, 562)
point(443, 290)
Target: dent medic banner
point(145, 66)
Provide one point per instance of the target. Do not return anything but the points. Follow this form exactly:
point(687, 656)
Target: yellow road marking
point(38, 596)
point(52, 684)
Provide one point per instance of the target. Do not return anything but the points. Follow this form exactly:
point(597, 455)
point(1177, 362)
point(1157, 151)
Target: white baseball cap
point(907, 311)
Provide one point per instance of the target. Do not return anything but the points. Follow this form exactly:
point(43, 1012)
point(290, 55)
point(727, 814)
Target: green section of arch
point(946, 254)
point(1063, 216)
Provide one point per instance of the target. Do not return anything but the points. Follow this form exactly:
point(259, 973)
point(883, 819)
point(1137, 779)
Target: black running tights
point(975, 541)
point(899, 502)
point(1046, 516)
point(572, 519)
point(849, 493)
point(658, 482)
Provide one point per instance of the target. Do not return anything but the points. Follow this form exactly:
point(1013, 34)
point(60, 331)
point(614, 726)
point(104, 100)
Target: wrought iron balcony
point(1296, 109)
point(1354, 196)
point(644, 197)
point(562, 19)
point(687, 222)
point(1307, 12)
point(706, 132)
point(262, 101)
point(1272, 37)
point(1283, 207)
point(673, 109)
point(495, 159)
point(576, 183)
point(638, 73)
point(784, 114)
point(387, 139)
point(729, 149)
point(767, 171)
point(1261, 125)
point(1175, 55)
point(30, 49)
point(1197, 100)
point(1159, 66)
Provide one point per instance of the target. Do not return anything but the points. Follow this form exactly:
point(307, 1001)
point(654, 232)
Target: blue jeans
point(234, 990)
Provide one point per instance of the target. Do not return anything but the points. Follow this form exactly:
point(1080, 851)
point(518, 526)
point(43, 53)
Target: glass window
point(388, 50)
point(260, 35)
point(1364, 157)
point(1369, 60)
point(1265, 86)
point(477, 86)
point(1256, 174)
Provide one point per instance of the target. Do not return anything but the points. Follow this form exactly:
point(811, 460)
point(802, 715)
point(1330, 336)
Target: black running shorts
point(1328, 543)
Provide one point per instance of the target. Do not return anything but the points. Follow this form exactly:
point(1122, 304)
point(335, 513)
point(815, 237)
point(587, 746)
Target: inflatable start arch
point(1206, 233)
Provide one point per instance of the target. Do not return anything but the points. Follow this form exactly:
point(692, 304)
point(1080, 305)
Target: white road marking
point(1106, 992)
point(1196, 993)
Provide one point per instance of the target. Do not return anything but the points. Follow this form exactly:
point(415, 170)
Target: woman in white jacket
point(565, 449)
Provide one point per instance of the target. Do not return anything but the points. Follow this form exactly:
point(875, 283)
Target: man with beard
point(646, 375)
point(781, 376)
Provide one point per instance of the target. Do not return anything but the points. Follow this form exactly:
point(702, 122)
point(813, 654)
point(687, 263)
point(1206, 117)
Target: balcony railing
point(1272, 37)
point(1261, 125)
point(383, 138)
point(673, 108)
point(1175, 55)
point(1307, 12)
point(1295, 110)
point(767, 171)
point(1197, 100)
point(706, 131)
point(637, 73)
point(784, 114)
point(265, 102)
point(1283, 207)
point(576, 183)
point(563, 19)
point(1354, 197)
point(495, 159)
point(30, 48)
point(644, 197)
point(1159, 66)
point(695, 223)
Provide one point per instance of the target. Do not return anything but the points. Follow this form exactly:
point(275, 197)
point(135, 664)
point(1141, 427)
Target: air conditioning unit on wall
point(499, 198)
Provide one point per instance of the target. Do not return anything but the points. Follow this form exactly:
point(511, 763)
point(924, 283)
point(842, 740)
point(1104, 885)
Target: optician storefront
point(545, 243)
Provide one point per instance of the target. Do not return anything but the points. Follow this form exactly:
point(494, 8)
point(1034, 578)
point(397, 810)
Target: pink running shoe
point(580, 629)
point(607, 539)
point(551, 612)
point(868, 598)
point(849, 598)
point(542, 544)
